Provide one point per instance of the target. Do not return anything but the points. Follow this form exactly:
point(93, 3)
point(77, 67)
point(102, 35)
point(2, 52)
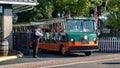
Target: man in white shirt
point(37, 33)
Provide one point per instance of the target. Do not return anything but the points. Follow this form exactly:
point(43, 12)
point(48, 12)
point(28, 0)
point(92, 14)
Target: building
point(7, 8)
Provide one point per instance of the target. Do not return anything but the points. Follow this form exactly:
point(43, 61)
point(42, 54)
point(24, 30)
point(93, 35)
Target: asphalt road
point(45, 56)
point(115, 63)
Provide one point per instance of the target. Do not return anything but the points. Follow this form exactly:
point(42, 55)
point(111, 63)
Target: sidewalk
point(12, 55)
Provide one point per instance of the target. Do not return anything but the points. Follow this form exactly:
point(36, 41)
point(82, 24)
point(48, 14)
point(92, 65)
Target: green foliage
point(114, 9)
point(42, 11)
point(45, 8)
point(50, 8)
point(114, 5)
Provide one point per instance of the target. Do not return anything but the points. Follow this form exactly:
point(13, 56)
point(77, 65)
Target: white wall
point(7, 26)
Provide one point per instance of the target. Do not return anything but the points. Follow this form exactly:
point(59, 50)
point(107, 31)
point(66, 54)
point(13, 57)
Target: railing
point(20, 0)
point(110, 44)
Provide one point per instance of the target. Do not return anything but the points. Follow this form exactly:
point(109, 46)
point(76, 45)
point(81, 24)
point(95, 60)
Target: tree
point(42, 11)
point(114, 10)
point(50, 9)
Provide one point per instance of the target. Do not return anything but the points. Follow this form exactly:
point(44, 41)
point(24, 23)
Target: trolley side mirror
point(99, 33)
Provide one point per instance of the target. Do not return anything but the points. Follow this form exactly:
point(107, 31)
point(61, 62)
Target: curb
point(5, 58)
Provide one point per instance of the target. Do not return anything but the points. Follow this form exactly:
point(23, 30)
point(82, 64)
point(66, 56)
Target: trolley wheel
point(88, 53)
point(63, 52)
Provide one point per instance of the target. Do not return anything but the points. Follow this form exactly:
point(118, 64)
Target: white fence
point(110, 44)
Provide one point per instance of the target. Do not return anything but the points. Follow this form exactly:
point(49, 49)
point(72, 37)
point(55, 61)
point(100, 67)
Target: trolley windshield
point(80, 25)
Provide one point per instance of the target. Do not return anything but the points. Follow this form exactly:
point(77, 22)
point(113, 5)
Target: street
point(114, 63)
point(55, 60)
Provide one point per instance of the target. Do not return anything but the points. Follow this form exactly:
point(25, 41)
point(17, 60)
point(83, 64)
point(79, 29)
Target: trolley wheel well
point(63, 52)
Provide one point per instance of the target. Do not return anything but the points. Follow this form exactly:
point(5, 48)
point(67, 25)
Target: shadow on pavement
point(111, 63)
point(54, 54)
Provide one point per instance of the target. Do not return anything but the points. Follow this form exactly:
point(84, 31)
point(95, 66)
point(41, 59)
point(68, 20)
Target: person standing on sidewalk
point(37, 33)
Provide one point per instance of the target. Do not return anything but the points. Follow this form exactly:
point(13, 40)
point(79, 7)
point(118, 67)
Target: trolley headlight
point(85, 37)
point(72, 39)
point(95, 39)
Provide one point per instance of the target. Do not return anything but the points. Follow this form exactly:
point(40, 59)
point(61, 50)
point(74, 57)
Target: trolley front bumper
point(78, 49)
